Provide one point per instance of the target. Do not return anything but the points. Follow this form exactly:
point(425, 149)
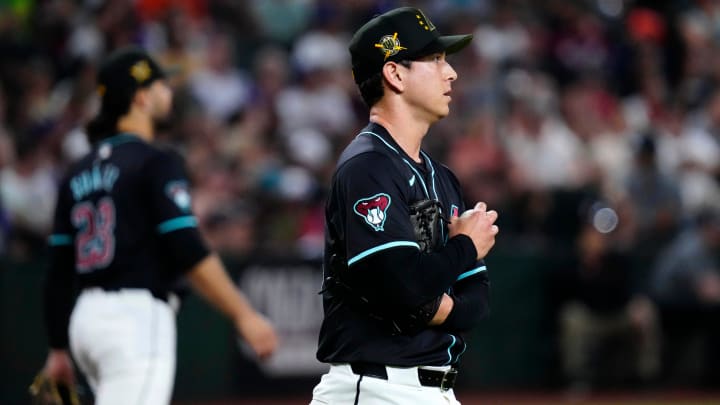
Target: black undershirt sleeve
point(398, 280)
point(170, 203)
point(59, 289)
point(59, 296)
point(471, 303)
point(188, 249)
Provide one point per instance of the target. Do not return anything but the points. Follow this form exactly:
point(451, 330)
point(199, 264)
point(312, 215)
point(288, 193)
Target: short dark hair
point(112, 108)
point(371, 90)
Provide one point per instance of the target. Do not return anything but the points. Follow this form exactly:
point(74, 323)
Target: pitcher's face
point(429, 86)
point(160, 95)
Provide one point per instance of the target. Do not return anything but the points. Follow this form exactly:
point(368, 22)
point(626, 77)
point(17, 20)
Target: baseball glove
point(426, 217)
point(44, 391)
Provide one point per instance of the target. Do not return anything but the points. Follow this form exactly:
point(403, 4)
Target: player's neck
point(137, 123)
point(406, 131)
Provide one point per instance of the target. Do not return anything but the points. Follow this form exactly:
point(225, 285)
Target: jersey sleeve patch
point(373, 210)
point(178, 192)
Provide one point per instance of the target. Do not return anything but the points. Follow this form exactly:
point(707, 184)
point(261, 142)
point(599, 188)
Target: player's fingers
point(494, 229)
point(492, 215)
point(481, 206)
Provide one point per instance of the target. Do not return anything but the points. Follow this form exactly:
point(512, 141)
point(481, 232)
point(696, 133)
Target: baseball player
point(123, 234)
point(399, 290)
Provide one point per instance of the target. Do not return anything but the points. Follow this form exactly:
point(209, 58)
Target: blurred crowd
point(592, 126)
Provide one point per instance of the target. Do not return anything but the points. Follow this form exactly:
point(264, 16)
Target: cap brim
point(448, 44)
point(454, 43)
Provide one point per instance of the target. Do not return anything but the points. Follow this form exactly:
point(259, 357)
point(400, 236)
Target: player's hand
point(478, 224)
point(258, 333)
point(59, 367)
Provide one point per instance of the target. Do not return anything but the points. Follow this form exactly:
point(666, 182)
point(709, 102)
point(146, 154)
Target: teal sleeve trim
point(177, 223)
point(59, 239)
point(471, 272)
point(382, 247)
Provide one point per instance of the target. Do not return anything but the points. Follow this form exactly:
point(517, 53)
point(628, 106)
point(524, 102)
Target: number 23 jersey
point(124, 218)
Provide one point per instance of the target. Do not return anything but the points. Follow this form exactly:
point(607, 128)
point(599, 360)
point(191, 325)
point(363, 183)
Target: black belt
point(445, 380)
point(163, 296)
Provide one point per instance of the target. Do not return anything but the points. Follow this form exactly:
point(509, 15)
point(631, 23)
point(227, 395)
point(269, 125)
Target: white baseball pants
point(124, 342)
point(340, 386)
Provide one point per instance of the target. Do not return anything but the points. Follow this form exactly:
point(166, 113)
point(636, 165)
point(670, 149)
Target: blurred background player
point(124, 233)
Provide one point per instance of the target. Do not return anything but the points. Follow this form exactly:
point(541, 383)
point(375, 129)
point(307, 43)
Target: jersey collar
point(383, 133)
point(120, 138)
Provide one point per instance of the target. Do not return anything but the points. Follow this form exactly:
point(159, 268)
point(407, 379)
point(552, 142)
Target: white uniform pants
point(124, 343)
point(340, 386)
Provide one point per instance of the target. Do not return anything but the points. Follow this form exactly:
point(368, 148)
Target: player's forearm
point(446, 306)
point(210, 279)
point(471, 303)
point(403, 279)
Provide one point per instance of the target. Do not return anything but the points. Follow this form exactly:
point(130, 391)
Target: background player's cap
point(401, 34)
point(126, 70)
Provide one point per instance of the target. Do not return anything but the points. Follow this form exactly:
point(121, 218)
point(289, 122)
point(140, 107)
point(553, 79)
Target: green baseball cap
point(401, 34)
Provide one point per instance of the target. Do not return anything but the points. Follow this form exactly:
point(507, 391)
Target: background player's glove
point(44, 391)
point(426, 218)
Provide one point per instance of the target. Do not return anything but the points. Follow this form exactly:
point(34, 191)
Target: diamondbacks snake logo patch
point(178, 192)
point(373, 210)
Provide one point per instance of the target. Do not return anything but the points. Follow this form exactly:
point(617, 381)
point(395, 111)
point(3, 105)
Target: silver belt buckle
point(444, 379)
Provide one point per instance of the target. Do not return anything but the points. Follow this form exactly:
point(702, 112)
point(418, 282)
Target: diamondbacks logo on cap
point(140, 71)
point(424, 21)
point(389, 45)
point(373, 210)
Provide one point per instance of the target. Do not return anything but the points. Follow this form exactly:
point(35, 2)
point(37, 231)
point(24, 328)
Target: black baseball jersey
point(123, 220)
point(368, 224)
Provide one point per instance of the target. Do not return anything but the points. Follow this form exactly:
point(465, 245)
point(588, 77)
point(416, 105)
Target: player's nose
point(450, 72)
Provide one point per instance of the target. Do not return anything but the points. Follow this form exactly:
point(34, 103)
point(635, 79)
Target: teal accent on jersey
point(376, 249)
point(432, 176)
point(412, 180)
point(59, 239)
point(121, 138)
point(422, 182)
point(471, 272)
point(380, 138)
point(461, 353)
point(454, 340)
point(417, 174)
point(177, 223)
